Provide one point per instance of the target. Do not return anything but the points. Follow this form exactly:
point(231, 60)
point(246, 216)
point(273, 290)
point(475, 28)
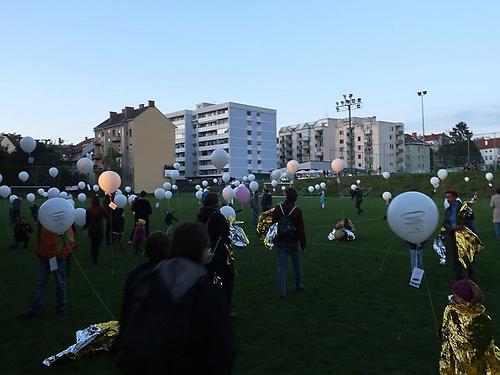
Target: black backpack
point(286, 226)
point(155, 339)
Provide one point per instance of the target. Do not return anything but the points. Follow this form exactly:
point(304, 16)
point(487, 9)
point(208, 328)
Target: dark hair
point(143, 194)
point(157, 245)
point(189, 241)
point(211, 200)
point(452, 192)
point(497, 190)
point(291, 195)
point(95, 202)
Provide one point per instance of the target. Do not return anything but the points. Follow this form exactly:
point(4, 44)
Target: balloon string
point(431, 303)
point(386, 254)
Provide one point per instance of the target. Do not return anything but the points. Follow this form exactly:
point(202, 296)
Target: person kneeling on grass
point(343, 231)
point(466, 333)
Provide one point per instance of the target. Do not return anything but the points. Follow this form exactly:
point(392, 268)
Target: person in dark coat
point(22, 232)
point(291, 245)
point(108, 213)
point(142, 210)
point(117, 227)
point(95, 227)
point(184, 325)
point(267, 200)
point(357, 195)
point(34, 212)
point(218, 231)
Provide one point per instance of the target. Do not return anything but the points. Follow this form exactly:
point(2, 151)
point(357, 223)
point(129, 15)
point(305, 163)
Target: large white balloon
point(109, 181)
point(386, 175)
point(254, 186)
point(274, 183)
point(311, 189)
point(338, 165)
point(434, 181)
point(413, 216)
point(53, 172)
point(81, 185)
point(56, 215)
point(322, 185)
point(85, 165)
point(226, 177)
point(168, 195)
point(159, 193)
point(95, 188)
point(489, 176)
point(199, 194)
point(82, 197)
point(53, 193)
point(132, 198)
point(177, 165)
point(128, 189)
point(228, 193)
point(292, 167)
point(120, 200)
point(228, 211)
point(167, 186)
point(386, 196)
point(40, 191)
point(28, 144)
point(80, 216)
point(12, 198)
point(23, 176)
point(219, 158)
point(442, 174)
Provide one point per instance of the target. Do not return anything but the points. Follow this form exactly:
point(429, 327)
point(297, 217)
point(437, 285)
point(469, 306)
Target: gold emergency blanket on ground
point(468, 245)
point(468, 347)
point(95, 337)
point(263, 224)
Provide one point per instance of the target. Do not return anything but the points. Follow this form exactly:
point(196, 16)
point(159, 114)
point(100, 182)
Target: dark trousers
point(108, 231)
point(452, 257)
point(95, 244)
point(358, 206)
point(17, 241)
point(219, 267)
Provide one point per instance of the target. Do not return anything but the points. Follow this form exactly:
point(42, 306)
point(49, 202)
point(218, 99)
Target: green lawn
point(352, 318)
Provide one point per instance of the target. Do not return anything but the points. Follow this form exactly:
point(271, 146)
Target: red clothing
point(297, 219)
point(50, 244)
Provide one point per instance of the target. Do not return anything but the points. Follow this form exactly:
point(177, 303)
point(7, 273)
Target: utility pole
point(348, 104)
point(422, 94)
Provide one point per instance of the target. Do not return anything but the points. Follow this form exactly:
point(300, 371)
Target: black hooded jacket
point(218, 231)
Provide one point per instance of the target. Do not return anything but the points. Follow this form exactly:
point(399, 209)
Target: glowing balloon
point(434, 181)
point(80, 216)
point(199, 194)
point(12, 198)
point(386, 196)
point(228, 193)
point(292, 167)
point(40, 191)
point(109, 181)
point(386, 175)
point(204, 183)
point(274, 183)
point(358, 181)
point(56, 215)
point(311, 189)
point(82, 197)
point(317, 187)
point(81, 185)
point(28, 144)
point(53, 172)
point(242, 194)
point(322, 185)
point(159, 193)
point(132, 198)
point(228, 211)
point(219, 158)
point(63, 195)
point(226, 177)
point(45, 194)
point(120, 200)
point(254, 186)
point(442, 174)
point(276, 174)
point(128, 189)
point(413, 216)
point(30, 197)
point(489, 176)
point(283, 188)
point(174, 187)
point(466, 179)
point(215, 181)
point(177, 165)
point(168, 195)
point(251, 177)
point(245, 178)
point(338, 165)
point(95, 188)
point(53, 193)
point(354, 187)
point(197, 187)
point(23, 176)
point(174, 174)
point(85, 165)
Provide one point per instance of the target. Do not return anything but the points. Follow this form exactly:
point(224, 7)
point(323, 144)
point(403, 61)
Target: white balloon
point(283, 188)
point(386, 196)
point(159, 193)
point(56, 215)
point(199, 194)
point(63, 195)
point(174, 187)
point(317, 187)
point(226, 177)
point(338, 165)
point(168, 195)
point(109, 181)
point(311, 189)
point(177, 165)
point(284, 175)
point(358, 181)
point(40, 191)
point(28, 144)
point(204, 183)
point(292, 167)
point(413, 216)
point(132, 198)
point(82, 197)
point(236, 183)
point(95, 188)
point(1, 178)
point(228, 211)
point(489, 176)
point(276, 174)
point(442, 174)
point(219, 158)
point(434, 181)
point(174, 174)
point(466, 179)
point(245, 178)
point(354, 187)
point(85, 165)
point(167, 186)
point(228, 193)
point(254, 186)
point(53, 193)
point(120, 200)
point(128, 189)
point(12, 198)
point(386, 175)
point(81, 185)
point(45, 195)
point(23, 176)
point(53, 172)
point(118, 192)
point(80, 216)
point(274, 183)
point(197, 187)
point(322, 185)
point(215, 181)
point(446, 204)
point(251, 177)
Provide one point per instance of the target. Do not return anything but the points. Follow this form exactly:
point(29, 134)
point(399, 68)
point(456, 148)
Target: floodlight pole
point(348, 104)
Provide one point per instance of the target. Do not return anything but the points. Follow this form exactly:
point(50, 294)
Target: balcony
point(116, 139)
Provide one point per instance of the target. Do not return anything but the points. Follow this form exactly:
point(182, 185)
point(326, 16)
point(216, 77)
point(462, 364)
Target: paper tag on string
point(53, 264)
point(113, 206)
point(88, 187)
point(416, 277)
point(157, 204)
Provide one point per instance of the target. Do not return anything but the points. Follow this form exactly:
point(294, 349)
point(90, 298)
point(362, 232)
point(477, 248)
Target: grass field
point(352, 319)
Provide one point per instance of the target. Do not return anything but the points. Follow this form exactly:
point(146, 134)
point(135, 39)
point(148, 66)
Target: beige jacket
point(495, 204)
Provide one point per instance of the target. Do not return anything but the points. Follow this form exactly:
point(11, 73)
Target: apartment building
point(247, 133)
point(140, 142)
point(417, 155)
point(490, 150)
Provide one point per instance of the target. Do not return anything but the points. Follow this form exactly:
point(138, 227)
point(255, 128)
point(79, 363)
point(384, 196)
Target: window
point(249, 143)
point(359, 156)
point(258, 114)
point(341, 133)
point(259, 161)
point(259, 123)
point(249, 113)
point(259, 143)
point(359, 147)
point(259, 152)
point(130, 133)
point(259, 134)
point(250, 162)
point(341, 141)
point(249, 123)
point(359, 139)
point(390, 136)
point(359, 165)
point(249, 132)
point(249, 152)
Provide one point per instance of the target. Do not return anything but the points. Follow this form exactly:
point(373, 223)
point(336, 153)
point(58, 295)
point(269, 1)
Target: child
point(416, 255)
point(139, 235)
point(169, 219)
point(21, 233)
point(322, 199)
point(117, 223)
point(34, 212)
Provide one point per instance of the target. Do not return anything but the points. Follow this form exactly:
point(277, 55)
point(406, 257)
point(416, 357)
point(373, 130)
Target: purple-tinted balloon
point(242, 194)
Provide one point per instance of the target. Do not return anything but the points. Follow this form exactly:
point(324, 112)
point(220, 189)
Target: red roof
point(435, 137)
point(75, 149)
point(483, 143)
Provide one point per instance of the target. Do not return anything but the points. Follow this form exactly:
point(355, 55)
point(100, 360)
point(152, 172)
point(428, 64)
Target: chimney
point(141, 106)
point(414, 134)
point(151, 103)
point(127, 111)
point(112, 116)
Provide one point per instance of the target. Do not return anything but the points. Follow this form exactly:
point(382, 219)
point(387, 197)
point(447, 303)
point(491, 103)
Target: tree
point(460, 133)
point(110, 161)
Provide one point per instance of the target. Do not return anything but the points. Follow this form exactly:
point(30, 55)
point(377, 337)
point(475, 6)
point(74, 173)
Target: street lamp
point(348, 104)
point(422, 94)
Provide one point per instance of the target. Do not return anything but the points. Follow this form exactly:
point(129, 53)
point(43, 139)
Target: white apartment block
point(417, 155)
point(376, 144)
point(247, 133)
point(490, 150)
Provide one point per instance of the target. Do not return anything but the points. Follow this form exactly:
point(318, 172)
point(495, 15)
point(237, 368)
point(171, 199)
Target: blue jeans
point(283, 251)
point(497, 230)
point(42, 277)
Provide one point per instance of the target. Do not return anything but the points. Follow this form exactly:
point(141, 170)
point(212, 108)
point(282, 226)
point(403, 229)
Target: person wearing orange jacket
point(52, 251)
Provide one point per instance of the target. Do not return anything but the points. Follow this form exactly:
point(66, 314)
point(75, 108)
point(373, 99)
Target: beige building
point(139, 142)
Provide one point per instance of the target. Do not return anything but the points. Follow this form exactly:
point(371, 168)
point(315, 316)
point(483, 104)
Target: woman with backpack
point(290, 239)
point(177, 321)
